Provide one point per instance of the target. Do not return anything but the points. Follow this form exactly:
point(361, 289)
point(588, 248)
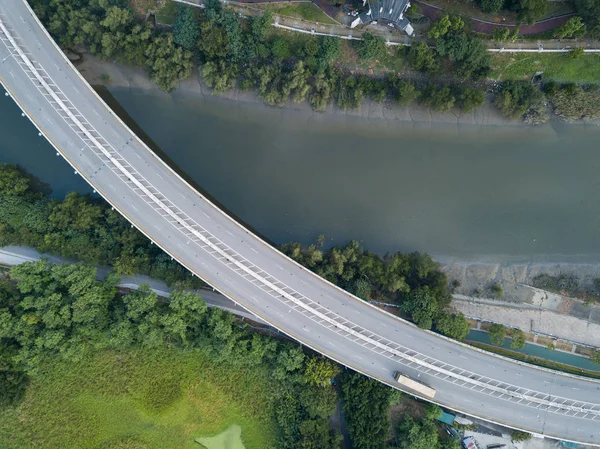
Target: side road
point(16, 255)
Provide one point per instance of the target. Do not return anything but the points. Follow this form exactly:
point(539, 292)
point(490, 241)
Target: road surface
point(247, 270)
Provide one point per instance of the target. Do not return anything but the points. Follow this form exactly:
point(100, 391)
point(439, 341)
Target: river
point(503, 194)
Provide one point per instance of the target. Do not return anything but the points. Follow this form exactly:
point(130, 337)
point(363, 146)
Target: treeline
point(247, 52)
point(413, 281)
point(282, 67)
point(62, 311)
point(80, 228)
point(110, 30)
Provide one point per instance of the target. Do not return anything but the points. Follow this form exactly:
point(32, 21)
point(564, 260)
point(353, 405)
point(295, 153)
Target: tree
point(12, 180)
point(501, 34)
point(453, 325)
point(371, 47)
point(595, 356)
point(497, 334)
point(469, 99)
point(589, 10)
point(405, 93)
point(439, 28)
point(422, 307)
point(213, 41)
point(168, 64)
point(491, 6)
point(422, 58)
point(469, 52)
point(417, 435)
point(186, 29)
point(519, 435)
point(437, 97)
point(516, 98)
point(518, 338)
point(529, 11)
point(281, 48)
point(433, 411)
point(574, 27)
point(219, 75)
point(366, 403)
point(320, 370)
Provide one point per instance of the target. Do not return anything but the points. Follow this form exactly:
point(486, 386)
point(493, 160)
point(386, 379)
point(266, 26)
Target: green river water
point(503, 194)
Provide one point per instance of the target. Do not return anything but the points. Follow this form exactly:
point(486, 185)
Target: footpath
point(396, 37)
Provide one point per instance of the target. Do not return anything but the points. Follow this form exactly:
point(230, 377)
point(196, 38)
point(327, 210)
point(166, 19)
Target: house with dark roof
point(386, 11)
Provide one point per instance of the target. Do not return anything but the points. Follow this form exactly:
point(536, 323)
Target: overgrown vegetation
point(569, 285)
point(414, 281)
point(61, 311)
point(80, 228)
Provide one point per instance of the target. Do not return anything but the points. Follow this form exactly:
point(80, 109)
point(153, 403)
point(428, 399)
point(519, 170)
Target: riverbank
point(112, 75)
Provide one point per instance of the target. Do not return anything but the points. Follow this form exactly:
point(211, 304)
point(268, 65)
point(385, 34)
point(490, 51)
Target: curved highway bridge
point(186, 225)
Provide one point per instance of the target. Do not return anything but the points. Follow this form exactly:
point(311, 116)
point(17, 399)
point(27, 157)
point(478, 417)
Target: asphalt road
point(256, 276)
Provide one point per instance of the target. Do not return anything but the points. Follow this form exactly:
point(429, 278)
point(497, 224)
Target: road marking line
point(206, 215)
point(229, 232)
point(252, 249)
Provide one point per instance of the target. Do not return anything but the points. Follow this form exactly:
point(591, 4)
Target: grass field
point(556, 66)
point(138, 400)
point(230, 438)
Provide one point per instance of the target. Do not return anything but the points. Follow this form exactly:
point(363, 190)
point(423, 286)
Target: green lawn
point(556, 66)
point(168, 13)
point(228, 439)
point(139, 400)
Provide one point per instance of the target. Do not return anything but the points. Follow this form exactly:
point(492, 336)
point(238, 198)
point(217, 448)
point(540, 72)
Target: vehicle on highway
point(414, 385)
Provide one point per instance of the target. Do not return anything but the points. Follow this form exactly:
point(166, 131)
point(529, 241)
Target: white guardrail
point(277, 289)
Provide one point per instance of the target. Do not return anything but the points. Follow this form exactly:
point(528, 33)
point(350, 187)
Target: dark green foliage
point(518, 436)
point(518, 338)
point(491, 5)
point(13, 385)
point(412, 280)
point(79, 228)
point(470, 54)
point(589, 10)
point(349, 92)
point(497, 333)
point(219, 75)
point(516, 98)
point(411, 434)
point(404, 92)
point(62, 311)
point(470, 98)
point(439, 98)
point(528, 11)
point(595, 356)
point(187, 29)
point(366, 403)
point(422, 58)
point(371, 46)
point(110, 30)
point(501, 34)
point(452, 325)
point(433, 411)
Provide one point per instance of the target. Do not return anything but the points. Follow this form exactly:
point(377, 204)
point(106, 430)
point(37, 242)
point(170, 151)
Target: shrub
point(516, 98)
point(371, 47)
point(497, 333)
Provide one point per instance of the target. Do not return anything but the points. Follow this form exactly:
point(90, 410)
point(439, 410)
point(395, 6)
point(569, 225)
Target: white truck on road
point(414, 385)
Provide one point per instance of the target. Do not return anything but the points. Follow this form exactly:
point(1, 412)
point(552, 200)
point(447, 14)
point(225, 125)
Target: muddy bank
point(113, 74)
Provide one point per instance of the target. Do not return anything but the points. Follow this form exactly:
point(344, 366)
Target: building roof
point(391, 11)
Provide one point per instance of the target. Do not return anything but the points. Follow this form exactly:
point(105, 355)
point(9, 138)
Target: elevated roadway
point(244, 268)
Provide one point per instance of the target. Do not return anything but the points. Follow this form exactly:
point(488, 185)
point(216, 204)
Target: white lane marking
point(138, 155)
point(38, 42)
point(279, 266)
point(56, 65)
point(518, 374)
point(463, 357)
point(157, 227)
point(159, 176)
point(133, 207)
point(229, 232)
point(412, 338)
point(11, 74)
point(112, 187)
point(76, 90)
point(206, 215)
point(574, 388)
point(96, 112)
point(22, 19)
point(332, 344)
point(252, 249)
